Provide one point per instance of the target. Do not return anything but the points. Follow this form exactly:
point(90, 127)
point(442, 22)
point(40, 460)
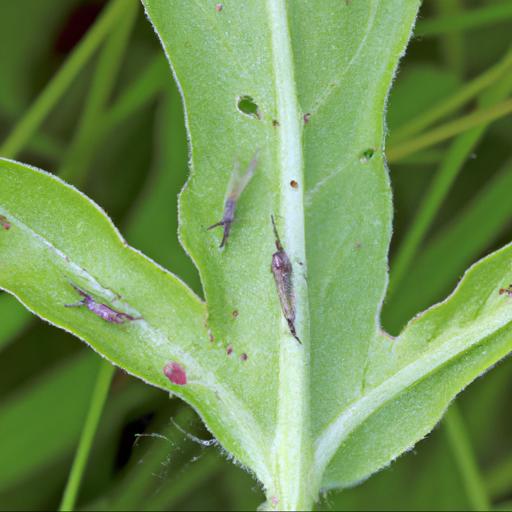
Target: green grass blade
point(61, 81)
point(455, 158)
point(483, 116)
point(77, 158)
point(152, 80)
point(98, 399)
point(469, 20)
point(465, 459)
point(467, 92)
point(453, 249)
point(27, 447)
point(499, 479)
point(452, 44)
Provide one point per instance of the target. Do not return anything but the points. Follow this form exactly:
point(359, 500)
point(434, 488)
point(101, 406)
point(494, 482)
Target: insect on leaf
point(302, 417)
point(237, 184)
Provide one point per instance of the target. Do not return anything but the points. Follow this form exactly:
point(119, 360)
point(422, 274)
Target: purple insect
point(175, 373)
point(282, 269)
point(102, 310)
point(236, 186)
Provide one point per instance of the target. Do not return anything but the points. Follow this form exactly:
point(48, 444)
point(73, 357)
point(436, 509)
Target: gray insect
point(236, 186)
point(102, 310)
point(282, 269)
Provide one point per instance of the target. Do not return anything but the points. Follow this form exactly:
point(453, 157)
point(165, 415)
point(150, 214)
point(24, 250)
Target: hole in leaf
point(367, 155)
point(247, 106)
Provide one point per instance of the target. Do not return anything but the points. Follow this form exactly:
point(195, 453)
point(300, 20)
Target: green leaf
point(411, 379)
point(333, 63)
point(306, 86)
point(58, 237)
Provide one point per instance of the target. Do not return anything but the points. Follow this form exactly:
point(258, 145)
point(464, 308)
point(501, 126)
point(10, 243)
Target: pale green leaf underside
point(334, 410)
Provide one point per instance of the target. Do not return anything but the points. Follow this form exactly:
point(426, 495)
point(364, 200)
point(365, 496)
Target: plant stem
point(451, 104)
point(450, 129)
point(98, 399)
point(465, 460)
point(292, 447)
point(53, 91)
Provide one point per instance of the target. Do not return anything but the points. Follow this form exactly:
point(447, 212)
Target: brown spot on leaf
point(294, 184)
point(229, 350)
point(235, 313)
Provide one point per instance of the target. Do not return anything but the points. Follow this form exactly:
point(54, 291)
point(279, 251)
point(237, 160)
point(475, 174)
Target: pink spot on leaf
point(243, 357)
point(5, 223)
point(229, 350)
point(175, 373)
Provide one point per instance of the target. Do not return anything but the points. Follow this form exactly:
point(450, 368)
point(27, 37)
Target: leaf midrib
point(292, 444)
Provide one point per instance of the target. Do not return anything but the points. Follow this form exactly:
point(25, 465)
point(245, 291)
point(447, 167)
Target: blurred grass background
point(85, 92)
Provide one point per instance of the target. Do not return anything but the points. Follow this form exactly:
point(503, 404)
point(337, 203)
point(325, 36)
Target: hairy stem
point(292, 445)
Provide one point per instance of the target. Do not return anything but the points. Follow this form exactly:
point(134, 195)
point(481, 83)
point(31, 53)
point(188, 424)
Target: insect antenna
point(276, 234)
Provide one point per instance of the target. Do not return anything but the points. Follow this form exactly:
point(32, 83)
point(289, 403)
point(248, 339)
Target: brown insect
point(102, 310)
point(282, 269)
point(236, 186)
point(507, 291)
point(4, 222)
